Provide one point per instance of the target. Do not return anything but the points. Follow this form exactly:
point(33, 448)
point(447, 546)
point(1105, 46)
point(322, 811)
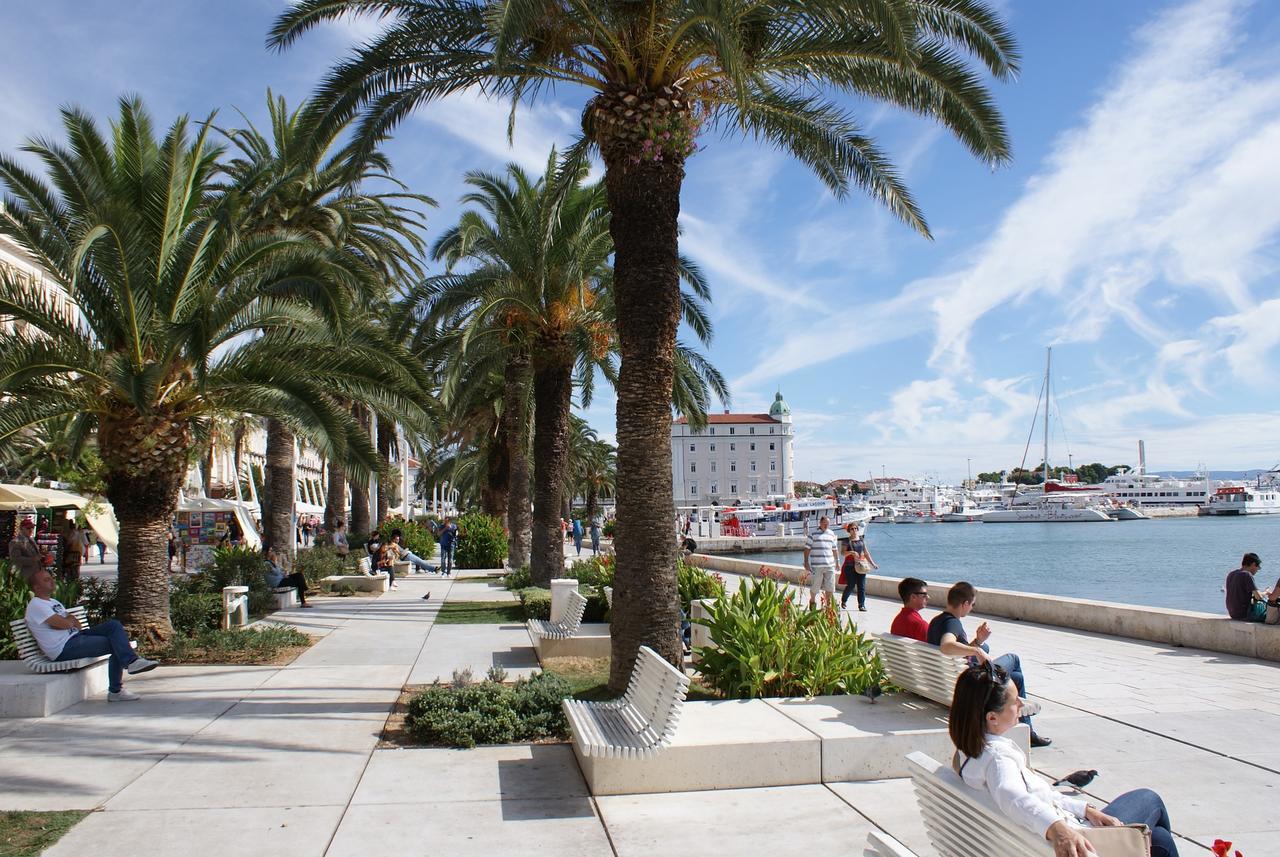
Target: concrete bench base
point(27, 694)
point(285, 598)
point(591, 641)
point(358, 582)
point(733, 744)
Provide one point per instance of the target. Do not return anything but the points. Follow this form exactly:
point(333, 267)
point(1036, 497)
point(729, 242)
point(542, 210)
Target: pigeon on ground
point(427, 597)
point(1079, 779)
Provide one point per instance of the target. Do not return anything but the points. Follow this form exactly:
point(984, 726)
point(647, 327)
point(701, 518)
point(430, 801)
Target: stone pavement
point(283, 760)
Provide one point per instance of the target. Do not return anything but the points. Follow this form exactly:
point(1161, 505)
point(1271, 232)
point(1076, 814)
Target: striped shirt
point(822, 546)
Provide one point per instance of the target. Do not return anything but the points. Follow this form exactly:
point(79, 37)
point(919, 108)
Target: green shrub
point(482, 541)
point(536, 602)
point(234, 566)
point(417, 536)
point(609, 527)
point(596, 571)
point(318, 563)
point(695, 582)
point(99, 599)
point(518, 578)
point(194, 612)
point(766, 646)
point(237, 645)
point(14, 595)
point(464, 715)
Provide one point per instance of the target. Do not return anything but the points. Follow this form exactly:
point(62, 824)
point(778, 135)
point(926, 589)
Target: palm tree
point(168, 317)
point(298, 180)
point(662, 72)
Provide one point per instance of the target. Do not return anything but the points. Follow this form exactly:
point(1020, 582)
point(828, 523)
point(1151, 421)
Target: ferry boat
point(1261, 498)
point(1140, 488)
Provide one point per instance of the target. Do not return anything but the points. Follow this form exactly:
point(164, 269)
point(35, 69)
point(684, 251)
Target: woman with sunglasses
point(985, 707)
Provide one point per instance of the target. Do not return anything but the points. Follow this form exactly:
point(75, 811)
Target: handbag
point(1129, 840)
point(1273, 613)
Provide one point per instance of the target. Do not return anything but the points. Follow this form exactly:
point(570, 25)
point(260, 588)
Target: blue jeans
point(107, 638)
point(577, 542)
point(1013, 666)
point(1143, 806)
point(446, 557)
point(854, 582)
point(595, 540)
point(418, 562)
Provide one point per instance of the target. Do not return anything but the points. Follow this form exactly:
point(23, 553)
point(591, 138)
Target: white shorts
point(822, 580)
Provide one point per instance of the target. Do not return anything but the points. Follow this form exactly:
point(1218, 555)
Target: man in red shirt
point(914, 593)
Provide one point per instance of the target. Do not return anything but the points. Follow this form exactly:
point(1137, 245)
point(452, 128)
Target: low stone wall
point(1209, 631)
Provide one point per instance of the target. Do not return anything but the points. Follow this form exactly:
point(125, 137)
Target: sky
point(1136, 231)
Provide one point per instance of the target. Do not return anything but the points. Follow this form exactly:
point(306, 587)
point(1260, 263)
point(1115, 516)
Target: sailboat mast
point(1048, 362)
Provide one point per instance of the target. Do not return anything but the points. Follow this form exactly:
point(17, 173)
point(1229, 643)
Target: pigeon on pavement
point(1079, 779)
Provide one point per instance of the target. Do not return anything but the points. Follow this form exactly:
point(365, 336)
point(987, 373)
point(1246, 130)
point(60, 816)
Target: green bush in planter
point(695, 582)
point(536, 602)
point(768, 646)
point(194, 612)
point(609, 527)
point(482, 542)
point(518, 578)
point(463, 717)
point(318, 563)
point(233, 566)
point(536, 701)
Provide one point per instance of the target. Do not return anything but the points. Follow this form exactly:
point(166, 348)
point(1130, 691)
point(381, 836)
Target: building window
point(755, 487)
point(773, 465)
point(753, 467)
point(770, 429)
point(753, 447)
point(713, 447)
point(693, 447)
point(693, 467)
point(693, 489)
point(713, 466)
point(733, 467)
point(712, 430)
point(715, 489)
point(733, 447)
point(773, 487)
point(730, 429)
point(733, 489)
point(752, 430)
point(771, 446)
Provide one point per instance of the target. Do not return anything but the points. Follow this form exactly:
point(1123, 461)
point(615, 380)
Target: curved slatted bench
point(884, 845)
point(920, 668)
point(608, 596)
point(964, 822)
point(35, 660)
point(566, 627)
point(639, 724)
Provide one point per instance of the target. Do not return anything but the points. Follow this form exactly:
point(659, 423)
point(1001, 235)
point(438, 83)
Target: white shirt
point(822, 546)
point(50, 640)
point(1020, 793)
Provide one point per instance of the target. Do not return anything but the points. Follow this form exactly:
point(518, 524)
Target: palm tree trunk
point(386, 444)
point(552, 395)
point(515, 434)
point(644, 202)
point(493, 496)
point(335, 500)
point(360, 487)
point(206, 469)
point(277, 519)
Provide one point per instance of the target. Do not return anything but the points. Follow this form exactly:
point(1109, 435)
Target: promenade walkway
point(284, 760)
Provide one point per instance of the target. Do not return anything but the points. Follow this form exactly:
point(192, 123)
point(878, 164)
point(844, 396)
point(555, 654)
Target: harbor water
point(1174, 562)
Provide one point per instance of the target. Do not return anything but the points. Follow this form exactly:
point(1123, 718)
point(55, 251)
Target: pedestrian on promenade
point(306, 530)
point(448, 545)
point(577, 535)
point(102, 551)
point(276, 578)
point(340, 543)
point(914, 593)
point(173, 546)
point(946, 631)
point(857, 565)
point(595, 534)
point(62, 638)
point(1244, 601)
point(985, 706)
point(70, 550)
point(24, 553)
point(821, 552)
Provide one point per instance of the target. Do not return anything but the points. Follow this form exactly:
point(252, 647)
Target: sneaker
point(394, 586)
point(123, 696)
point(307, 606)
point(862, 610)
point(1038, 740)
point(141, 665)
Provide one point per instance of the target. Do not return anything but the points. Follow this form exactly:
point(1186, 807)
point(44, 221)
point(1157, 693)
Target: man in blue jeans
point(448, 544)
point(946, 631)
point(61, 638)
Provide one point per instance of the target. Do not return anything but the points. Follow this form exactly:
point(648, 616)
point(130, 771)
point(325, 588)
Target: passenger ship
point(1261, 498)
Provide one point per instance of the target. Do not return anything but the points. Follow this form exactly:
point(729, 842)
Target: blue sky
point(1137, 230)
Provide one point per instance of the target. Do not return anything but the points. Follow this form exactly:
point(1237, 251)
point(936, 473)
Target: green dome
point(779, 408)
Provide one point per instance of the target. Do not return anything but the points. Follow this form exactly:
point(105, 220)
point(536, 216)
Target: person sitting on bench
point(946, 631)
point(406, 555)
point(985, 706)
point(276, 578)
point(61, 637)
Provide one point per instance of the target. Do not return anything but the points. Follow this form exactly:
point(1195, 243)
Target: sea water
point(1170, 562)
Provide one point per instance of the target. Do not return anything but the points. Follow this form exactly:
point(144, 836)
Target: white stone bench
point(35, 660)
point(964, 822)
point(285, 597)
point(608, 596)
point(364, 565)
point(639, 724)
point(920, 668)
point(359, 582)
point(884, 845)
point(575, 607)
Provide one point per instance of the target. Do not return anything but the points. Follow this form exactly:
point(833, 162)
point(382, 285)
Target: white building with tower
point(736, 458)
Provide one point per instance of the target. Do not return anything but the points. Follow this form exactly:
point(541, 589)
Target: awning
point(28, 496)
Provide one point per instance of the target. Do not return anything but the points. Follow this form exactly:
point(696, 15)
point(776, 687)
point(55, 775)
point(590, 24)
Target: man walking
point(61, 638)
point(821, 550)
point(448, 544)
point(946, 631)
point(24, 553)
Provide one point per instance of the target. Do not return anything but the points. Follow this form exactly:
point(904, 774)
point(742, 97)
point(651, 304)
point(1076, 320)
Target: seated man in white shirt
point(61, 638)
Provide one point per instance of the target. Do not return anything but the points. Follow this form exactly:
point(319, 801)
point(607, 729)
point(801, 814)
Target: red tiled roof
point(719, 419)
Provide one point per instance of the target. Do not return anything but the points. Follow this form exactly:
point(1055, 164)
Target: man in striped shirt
point(821, 552)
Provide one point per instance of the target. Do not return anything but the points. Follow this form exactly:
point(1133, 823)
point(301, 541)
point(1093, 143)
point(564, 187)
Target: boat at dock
point(1261, 498)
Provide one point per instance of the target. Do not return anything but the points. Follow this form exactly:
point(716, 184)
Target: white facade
point(745, 457)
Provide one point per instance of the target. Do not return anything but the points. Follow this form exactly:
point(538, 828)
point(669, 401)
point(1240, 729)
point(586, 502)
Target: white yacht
point(1261, 498)
point(1139, 488)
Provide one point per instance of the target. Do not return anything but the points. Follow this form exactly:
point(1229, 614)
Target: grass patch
point(588, 679)
point(26, 834)
point(270, 644)
point(480, 613)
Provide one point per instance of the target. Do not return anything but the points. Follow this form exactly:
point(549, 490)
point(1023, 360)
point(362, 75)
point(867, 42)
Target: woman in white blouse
point(984, 708)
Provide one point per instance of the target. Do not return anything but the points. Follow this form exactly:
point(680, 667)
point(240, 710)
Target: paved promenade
point(283, 760)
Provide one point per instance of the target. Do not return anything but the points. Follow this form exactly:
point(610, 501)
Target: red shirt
point(909, 623)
